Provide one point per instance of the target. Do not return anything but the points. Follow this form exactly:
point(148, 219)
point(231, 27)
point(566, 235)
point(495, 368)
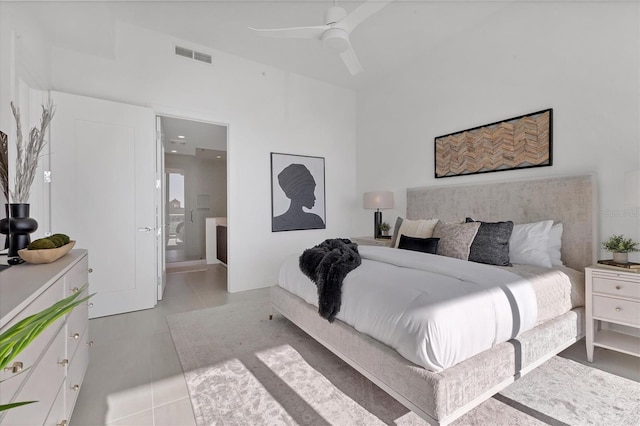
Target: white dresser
point(54, 364)
point(612, 297)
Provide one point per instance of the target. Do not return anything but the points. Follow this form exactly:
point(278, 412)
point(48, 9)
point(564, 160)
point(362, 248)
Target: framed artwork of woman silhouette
point(297, 192)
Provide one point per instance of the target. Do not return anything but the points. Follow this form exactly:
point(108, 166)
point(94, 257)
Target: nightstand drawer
point(616, 288)
point(616, 310)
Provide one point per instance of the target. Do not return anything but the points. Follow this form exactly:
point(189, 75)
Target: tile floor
point(134, 376)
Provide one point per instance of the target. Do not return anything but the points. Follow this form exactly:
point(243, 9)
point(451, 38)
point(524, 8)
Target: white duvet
point(435, 311)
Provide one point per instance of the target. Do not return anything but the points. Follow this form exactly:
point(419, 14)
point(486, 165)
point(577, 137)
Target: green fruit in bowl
point(58, 241)
point(40, 244)
point(64, 237)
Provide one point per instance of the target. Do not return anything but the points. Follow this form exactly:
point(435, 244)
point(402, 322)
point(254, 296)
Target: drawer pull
point(90, 270)
point(16, 367)
point(63, 363)
point(90, 343)
point(75, 388)
point(618, 287)
point(75, 290)
point(91, 305)
point(618, 309)
point(76, 336)
point(62, 423)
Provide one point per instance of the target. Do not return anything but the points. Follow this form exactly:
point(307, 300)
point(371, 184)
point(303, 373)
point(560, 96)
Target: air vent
point(192, 54)
point(202, 57)
point(183, 51)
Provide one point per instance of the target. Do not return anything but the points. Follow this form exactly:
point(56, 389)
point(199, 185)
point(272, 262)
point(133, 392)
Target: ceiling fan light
point(335, 40)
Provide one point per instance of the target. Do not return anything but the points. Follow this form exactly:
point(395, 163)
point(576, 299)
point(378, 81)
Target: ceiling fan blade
point(361, 13)
point(351, 61)
point(295, 32)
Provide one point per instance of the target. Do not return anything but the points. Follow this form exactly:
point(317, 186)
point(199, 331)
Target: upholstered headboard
point(568, 200)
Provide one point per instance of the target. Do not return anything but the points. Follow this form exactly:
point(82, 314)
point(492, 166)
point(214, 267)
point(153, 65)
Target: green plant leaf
point(4, 407)
point(21, 334)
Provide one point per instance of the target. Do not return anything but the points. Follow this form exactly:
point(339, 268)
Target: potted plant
point(384, 228)
point(620, 247)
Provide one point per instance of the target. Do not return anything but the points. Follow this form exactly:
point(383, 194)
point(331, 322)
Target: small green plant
point(619, 244)
point(384, 226)
point(20, 335)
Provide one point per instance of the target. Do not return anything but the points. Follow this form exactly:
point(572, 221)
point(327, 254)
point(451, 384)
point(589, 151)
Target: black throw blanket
point(326, 265)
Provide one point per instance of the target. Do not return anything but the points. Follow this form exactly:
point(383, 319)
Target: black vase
point(4, 226)
point(18, 227)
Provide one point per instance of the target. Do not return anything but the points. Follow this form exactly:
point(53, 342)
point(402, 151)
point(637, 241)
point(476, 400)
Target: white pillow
point(529, 244)
point(416, 228)
point(555, 244)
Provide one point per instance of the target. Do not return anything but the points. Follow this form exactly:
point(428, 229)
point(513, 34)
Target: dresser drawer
point(42, 385)
point(616, 287)
point(76, 277)
point(57, 414)
point(9, 384)
point(616, 310)
point(76, 327)
point(75, 374)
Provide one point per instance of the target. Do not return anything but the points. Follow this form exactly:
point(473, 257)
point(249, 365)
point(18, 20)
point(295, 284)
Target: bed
point(440, 397)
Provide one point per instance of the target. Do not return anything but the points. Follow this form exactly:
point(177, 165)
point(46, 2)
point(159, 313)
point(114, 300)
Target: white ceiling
point(389, 40)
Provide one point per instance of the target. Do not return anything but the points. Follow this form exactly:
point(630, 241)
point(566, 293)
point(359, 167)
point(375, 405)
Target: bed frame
point(442, 397)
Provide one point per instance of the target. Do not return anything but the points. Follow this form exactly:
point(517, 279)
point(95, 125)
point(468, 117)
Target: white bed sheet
point(435, 311)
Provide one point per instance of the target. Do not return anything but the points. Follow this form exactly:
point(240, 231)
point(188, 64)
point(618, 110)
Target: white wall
point(266, 109)
point(579, 58)
point(23, 75)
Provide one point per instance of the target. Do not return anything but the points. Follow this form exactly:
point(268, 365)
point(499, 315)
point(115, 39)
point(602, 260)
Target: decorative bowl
point(45, 255)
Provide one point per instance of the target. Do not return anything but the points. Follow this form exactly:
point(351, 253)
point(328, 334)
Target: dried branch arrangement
point(28, 154)
point(4, 165)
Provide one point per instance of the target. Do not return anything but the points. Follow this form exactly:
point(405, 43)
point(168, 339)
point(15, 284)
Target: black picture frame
point(488, 148)
point(298, 200)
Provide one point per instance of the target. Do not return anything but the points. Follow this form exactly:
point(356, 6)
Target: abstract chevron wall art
point(516, 143)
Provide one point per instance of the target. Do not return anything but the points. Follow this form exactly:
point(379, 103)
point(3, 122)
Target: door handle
point(191, 216)
point(145, 229)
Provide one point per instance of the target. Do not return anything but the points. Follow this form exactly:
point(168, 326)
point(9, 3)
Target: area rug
point(242, 369)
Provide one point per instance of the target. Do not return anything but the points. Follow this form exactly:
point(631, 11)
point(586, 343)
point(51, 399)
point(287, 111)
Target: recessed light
point(180, 137)
point(173, 150)
point(218, 156)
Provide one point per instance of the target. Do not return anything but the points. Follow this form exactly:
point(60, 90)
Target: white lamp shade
point(378, 200)
point(632, 190)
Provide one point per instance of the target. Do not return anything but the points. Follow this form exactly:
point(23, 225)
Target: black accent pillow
point(491, 244)
point(425, 245)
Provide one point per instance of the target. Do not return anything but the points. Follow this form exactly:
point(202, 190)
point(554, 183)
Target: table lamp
point(378, 200)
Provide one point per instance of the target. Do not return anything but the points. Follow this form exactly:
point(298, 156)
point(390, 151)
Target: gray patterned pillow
point(491, 244)
point(395, 234)
point(455, 238)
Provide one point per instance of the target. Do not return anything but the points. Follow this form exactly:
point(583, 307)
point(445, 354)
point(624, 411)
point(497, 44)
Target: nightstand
point(370, 241)
point(612, 297)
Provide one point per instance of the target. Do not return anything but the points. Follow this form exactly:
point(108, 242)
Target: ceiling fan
point(334, 34)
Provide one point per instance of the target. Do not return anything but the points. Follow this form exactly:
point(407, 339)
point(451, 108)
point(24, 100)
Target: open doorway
point(194, 176)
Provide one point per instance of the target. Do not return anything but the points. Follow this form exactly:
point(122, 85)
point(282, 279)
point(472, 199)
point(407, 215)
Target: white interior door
point(103, 196)
point(160, 213)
